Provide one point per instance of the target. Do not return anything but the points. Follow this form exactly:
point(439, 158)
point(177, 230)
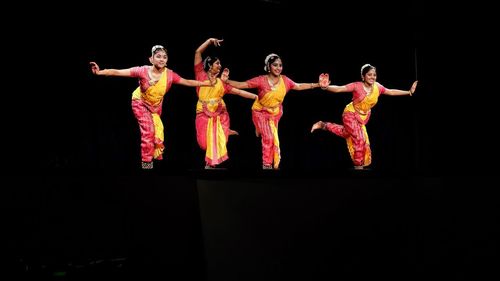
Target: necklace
point(212, 78)
point(153, 78)
point(273, 84)
point(368, 90)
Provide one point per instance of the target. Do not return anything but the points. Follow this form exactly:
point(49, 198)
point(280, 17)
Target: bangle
point(312, 85)
point(410, 93)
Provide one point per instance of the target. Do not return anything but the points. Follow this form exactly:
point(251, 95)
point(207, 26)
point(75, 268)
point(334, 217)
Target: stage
point(266, 225)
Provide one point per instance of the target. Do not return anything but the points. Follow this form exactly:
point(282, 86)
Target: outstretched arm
point(109, 72)
point(336, 89)
point(239, 85)
point(193, 83)
point(305, 86)
point(197, 54)
point(225, 78)
point(324, 83)
point(243, 93)
point(396, 92)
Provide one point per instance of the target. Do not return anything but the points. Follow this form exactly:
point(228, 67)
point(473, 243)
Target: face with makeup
point(159, 57)
point(276, 67)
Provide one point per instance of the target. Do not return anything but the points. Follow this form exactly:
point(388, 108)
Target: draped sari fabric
point(355, 117)
point(266, 113)
point(212, 123)
point(147, 108)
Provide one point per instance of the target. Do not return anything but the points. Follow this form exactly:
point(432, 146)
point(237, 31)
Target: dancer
point(212, 119)
point(357, 113)
point(268, 108)
point(155, 81)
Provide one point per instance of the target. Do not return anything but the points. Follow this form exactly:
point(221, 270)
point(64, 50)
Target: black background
point(91, 127)
point(75, 200)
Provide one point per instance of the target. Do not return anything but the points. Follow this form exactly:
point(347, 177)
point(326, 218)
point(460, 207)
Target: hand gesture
point(94, 67)
point(216, 41)
point(413, 87)
point(324, 80)
point(318, 125)
point(225, 75)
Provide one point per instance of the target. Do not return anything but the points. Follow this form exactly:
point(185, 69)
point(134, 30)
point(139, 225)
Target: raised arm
point(197, 54)
point(396, 92)
point(109, 72)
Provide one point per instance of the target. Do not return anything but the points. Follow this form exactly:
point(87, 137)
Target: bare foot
point(233, 132)
point(318, 125)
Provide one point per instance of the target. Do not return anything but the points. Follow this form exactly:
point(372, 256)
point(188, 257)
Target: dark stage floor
point(222, 225)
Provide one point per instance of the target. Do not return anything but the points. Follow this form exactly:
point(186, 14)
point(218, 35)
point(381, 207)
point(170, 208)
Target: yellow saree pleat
point(276, 141)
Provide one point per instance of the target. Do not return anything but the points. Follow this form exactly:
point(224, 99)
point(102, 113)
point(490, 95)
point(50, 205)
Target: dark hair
point(208, 61)
point(365, 68)
point(269, 60)
point(157, 48)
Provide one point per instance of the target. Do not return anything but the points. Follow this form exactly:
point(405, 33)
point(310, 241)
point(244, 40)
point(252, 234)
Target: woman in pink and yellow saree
point(155, 81)
point(212, 118)
point(357, 113)
point(268, 108)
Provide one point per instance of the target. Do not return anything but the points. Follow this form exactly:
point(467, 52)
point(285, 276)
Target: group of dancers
point(212, 119)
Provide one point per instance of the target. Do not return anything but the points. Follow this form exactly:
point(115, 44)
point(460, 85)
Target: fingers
point(414, 86)
point(225, 75)
point(216, 41)
point(94, 67)
point(324, 80)
point(317, 125)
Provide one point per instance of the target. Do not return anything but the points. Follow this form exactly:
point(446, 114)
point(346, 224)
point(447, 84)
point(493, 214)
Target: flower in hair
point(364, 66)
point(156, 47)
point(266, 61)
point(206, 62)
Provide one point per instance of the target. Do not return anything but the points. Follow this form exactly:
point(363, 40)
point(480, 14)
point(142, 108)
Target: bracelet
point(312, 85)
point(410, 93)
